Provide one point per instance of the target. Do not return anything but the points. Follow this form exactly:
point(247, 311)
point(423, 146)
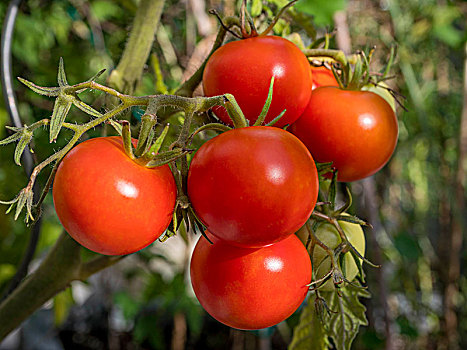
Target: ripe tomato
point(323, 77)
point(245, 67)
point(356, 130)
point(109, 203)
point(250, 288)
point(253, 186)
point(328, 234)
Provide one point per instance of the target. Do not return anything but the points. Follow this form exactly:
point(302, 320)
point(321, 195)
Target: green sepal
point(117, 126)
point(61, 108)
point(352, 219)
point(276, 119)
point(11, 138)
point(347, 204)
point(61, 76)
point(85, 108)
point(156, 146)
point(324, 168)
point(93, 78)
point(210, 126)
point(46, 91)
point(26, 137)
point(333, 191)
point(359, 266)
point(148, 121)
point(235, 112)
point(23, 199)
point(267, 104)
point(167, 157)
point(126, 139)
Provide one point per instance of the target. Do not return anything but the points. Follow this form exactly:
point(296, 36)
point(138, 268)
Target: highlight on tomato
point(244, 68)
point(356, 130)
point(109, 203)
point(248, 288)
point(253, 186)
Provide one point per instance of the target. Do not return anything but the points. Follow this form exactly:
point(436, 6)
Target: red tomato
point(109, 203)
point(253, 186)
point(250, 288)
point(245, 67)
point(356, 130)
point(323, 77)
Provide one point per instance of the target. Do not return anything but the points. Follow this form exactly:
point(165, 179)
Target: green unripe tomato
point(328, 234)
point(383, 92)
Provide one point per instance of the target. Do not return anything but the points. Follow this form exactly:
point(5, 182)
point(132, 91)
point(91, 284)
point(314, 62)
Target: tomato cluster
point(251, 187)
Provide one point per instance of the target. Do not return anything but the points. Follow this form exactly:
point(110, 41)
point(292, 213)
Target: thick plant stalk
point(130, 68)
point(61, 266)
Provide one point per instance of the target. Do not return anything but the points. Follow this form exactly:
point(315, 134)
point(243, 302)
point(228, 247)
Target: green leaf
point(256, 8)
point(61, 108)
point(321, 10)
point(310, 333)
point(349, 315)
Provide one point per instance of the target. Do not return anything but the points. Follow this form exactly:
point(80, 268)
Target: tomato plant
point(356, 130)
point(244, 68)
point(250, 288)
point(109, 203)
point(323, 76)
point(253, 186)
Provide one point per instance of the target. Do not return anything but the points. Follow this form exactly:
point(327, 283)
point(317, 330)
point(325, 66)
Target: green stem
point(130, 68)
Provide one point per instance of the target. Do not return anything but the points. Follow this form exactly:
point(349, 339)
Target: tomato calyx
point(353, 72)
point(245, 23)
point(146, 151)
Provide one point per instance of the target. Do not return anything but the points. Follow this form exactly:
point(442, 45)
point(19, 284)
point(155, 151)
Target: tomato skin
point(323, 77)
point(356, 130)
point(109, 203)
point(244, 68)
point(248, 288)
point(253, 186)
